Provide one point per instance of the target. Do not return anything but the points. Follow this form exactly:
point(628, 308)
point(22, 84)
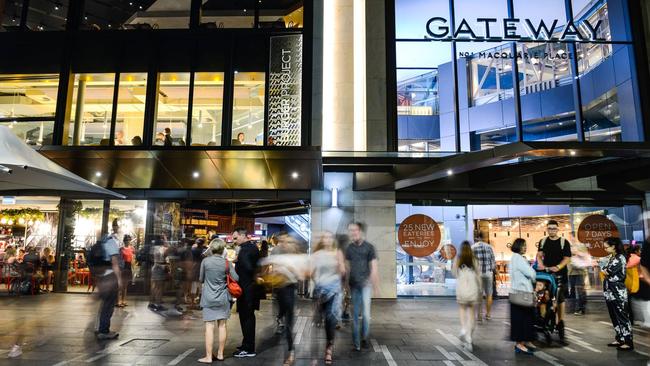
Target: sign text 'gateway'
point(509, 28)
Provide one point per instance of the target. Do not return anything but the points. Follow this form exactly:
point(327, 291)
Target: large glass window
point(241, 14)
point(41, 15)
point(542, 45)
point(173, 100)
point(129, 120)
point(207, 108)
point(27, 106)
point(248, 109)
point(117, 14)
point(91, 109)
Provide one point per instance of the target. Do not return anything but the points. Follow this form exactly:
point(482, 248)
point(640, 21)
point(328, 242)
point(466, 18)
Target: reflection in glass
point(131, 217)
point(424, 96)
point(491, 77)
point(248, 109)
point(129, 122)
point(91, 109)
point(602, 118)
point(103, 15)
point(27, 106)
point(173, 100)
point(207, 108)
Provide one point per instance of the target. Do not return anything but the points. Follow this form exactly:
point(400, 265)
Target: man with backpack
point(554, 255)
point(103, 261)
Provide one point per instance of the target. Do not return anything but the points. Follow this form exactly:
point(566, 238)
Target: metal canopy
point(241, 169)
point(23, 170)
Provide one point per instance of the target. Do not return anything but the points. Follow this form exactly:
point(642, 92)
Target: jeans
point(361, 307)
point(577, 287)
point(286, 302)
point(107, 286)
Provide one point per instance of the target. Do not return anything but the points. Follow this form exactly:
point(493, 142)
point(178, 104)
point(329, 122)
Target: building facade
point(483, 116)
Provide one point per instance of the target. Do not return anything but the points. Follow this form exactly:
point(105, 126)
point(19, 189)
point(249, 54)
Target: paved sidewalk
point(58, 330)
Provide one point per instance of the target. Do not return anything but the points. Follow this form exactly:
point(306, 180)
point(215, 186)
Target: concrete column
point(376, 106)
point(79, 112)
point(375, 209)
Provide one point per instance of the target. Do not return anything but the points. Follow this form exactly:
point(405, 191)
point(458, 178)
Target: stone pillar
point(376, 83)
point(375, 209)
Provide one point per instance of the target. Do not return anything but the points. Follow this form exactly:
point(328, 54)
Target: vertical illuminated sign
point(285, 90)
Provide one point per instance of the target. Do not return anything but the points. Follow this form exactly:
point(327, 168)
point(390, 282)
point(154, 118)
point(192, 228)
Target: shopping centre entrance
point(430, 275)
point(61, 231)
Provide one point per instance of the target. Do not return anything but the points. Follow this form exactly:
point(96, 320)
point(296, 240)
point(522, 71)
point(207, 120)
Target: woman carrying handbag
point(219, 281)
point(522, 310)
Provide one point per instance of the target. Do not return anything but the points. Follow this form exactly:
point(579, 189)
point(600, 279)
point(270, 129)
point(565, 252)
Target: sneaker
point(15, 351)
point(242, 354)
point(152, 307)
point(106, 336)
point(365, 344)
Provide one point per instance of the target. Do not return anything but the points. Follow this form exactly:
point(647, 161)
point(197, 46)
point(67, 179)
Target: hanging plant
point(24, 214)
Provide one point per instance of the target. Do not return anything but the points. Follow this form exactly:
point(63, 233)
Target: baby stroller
point(545, 310)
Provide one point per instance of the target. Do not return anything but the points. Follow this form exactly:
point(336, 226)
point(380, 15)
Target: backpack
point(467, 286)
point(543, 241)
point(632, 280)
point(95, 257)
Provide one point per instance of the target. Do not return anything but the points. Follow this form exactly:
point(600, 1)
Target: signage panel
point(593, 230)
point(285, 91)
point(419, 235)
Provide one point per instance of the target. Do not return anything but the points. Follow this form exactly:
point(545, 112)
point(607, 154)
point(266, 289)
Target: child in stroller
point(545, 292)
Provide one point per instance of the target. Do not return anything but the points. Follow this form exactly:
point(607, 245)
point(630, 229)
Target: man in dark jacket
point(246, 267)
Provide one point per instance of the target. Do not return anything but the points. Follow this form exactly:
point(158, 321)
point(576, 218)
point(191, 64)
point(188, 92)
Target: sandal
point(328, 355)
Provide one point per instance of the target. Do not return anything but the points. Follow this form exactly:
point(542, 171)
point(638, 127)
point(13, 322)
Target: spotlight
point(450, 172)
point(195, 175)
point(98, 174)
point(294, 175)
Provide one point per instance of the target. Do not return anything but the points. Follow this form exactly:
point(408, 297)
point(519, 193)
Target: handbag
point(522, 298)
point(233, 287)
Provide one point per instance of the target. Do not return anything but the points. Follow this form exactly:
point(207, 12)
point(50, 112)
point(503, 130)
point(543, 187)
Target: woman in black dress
point(613, 268)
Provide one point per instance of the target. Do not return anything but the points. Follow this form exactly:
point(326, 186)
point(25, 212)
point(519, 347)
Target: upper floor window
point(280, 14)
point(135, 14)
point(27, 106)
point(33, 15)
point(106, 110)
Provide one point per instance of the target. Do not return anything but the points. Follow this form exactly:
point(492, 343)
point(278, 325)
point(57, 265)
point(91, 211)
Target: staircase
point(301, 224)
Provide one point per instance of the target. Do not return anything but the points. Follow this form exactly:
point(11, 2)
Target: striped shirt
point(485, 257)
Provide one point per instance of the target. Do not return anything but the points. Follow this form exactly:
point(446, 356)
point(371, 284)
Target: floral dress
point(616, 298)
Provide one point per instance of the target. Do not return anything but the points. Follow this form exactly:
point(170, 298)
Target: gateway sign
point(510, 28)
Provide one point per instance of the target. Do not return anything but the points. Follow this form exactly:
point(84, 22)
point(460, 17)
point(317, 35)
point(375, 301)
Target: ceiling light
point(572, 152)
point(98, 174)
point(195, 175)
point(294, 175)
point(450, 172)
point(57, 6)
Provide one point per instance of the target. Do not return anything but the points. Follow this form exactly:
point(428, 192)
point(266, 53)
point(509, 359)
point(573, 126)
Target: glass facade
point(173, 101)
point(493, 68)
point(501, 225)
point(207, 108)
point(248, 108)
point(91, 109)
point(28, 105)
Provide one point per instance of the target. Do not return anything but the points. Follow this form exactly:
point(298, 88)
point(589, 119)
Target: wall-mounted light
point(335, 197)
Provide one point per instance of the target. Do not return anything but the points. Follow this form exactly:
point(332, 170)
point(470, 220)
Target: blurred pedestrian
point(247, 260)
point(327, 272)
point(468, 290)
point(487, 265)
point(47, 267)
point(578, 271)
point(616, 296)
point(361, 258)
point(159, 272)
point(288, 266)
point(522, 318)
point(216, 301)
point(109, 280)
point(127, 252)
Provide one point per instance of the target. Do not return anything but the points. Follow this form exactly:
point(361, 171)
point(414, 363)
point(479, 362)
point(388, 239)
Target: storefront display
point(501, 225)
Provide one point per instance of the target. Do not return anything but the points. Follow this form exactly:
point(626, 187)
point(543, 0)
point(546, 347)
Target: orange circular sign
point(448, 252)
point(593, 230)
point(419, 235)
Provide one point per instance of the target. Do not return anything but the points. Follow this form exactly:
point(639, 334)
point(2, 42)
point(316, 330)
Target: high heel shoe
point(526, 352)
